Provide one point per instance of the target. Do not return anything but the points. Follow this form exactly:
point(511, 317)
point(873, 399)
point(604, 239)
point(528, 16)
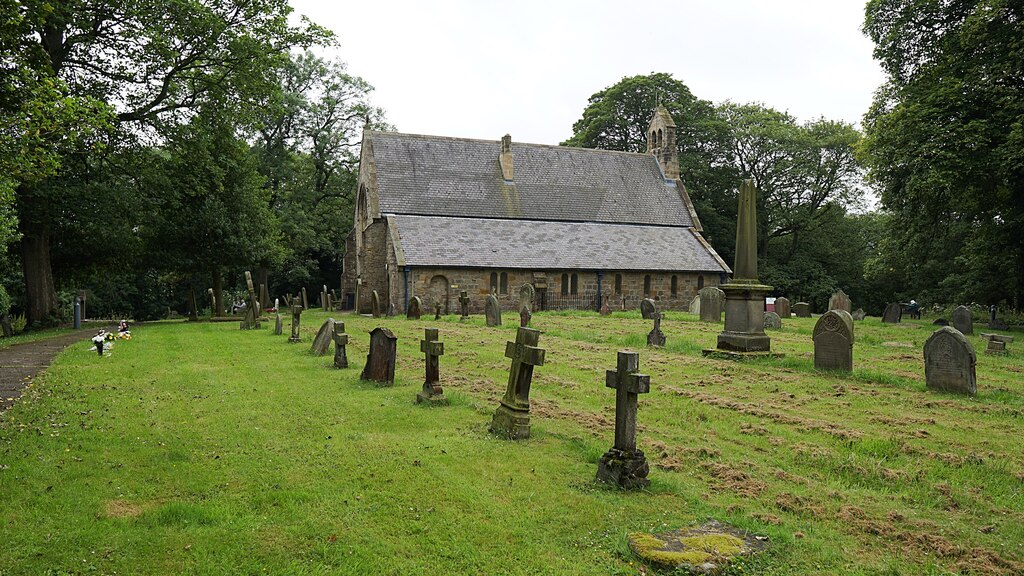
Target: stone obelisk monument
point(744, 294)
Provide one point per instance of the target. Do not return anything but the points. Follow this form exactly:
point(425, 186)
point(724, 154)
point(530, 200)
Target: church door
point(438, 292)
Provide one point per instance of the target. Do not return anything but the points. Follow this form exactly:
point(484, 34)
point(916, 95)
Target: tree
point(153, 62)
point(945, 145)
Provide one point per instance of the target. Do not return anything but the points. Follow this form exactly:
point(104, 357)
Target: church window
point(654, 139)
point(659, 138)
point(700, 282)
point(618, 283)
point(647, 285)
point(565, 284)
point(494, 281)
point(504, 283)
point(574, 284)
point(675, 285)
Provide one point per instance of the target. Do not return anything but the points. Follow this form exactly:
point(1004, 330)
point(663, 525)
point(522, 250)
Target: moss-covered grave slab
point(704, 549)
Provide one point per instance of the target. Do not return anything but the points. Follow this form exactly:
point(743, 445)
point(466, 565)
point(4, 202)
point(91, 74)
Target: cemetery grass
point(203, 449)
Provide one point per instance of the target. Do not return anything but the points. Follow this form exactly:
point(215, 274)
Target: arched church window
point(565, 284)
point(618, 283)
point(574, 284)
point(647, 285)
point(504, 283)
point(675, 285)
point(700, 282)
point(494, 281)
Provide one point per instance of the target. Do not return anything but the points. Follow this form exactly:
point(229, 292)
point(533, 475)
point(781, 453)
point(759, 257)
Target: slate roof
point(440, 176)
point(544, 245)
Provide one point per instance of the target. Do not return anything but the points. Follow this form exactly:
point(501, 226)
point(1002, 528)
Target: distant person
point(122, 328)
point(914, 309)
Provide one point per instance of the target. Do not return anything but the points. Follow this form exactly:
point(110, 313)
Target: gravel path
point(21, 363)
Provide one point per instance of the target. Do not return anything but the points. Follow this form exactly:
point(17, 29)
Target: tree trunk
point(262, 277)
point(218, 294)
point(35, 260)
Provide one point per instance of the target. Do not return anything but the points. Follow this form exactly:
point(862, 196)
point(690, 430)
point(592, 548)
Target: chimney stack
point(506, 158)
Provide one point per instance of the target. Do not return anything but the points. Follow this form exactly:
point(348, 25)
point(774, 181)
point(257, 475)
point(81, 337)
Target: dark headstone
point(437, 311)
point(712, 301)
point(893, 313)
point(802, 310)
point(624, 465)
point(648, 308)
point(859, 314)
point(464, 303)
point(414, 309)
point(375, 304)
point(296, 317)
point(833, 341)
point(525, 316)
point(656, 337)
point(940, 322)
point(772, 321)
point(305, 299)
point(278, 324)
point(492, 310)
point(380, 361)
point(840, 301)
point(949, 362)
point(963, 320)
point(432, 352)
point(322, 342)
point(782, 307)
point(512, 418)
point(340, 341)
point(325, 299)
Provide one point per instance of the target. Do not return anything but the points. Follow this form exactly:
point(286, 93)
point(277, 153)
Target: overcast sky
point(481, 69)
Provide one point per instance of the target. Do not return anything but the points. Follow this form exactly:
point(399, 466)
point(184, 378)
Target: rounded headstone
point(648, 308)
point(772, 321)
point(963, 320)
point(949, 362)
point(782, 307)
point(712, 301)
point(893, 313)
point(802, 310)
point(414, 309)
point(833, 341)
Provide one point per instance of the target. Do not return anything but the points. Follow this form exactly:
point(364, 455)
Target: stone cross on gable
point(296, 317)
point(340, 341)
point(627, 384)
point(464, 301)
point(432, 352)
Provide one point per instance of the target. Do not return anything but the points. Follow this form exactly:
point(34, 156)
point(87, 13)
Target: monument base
point(626, 469)
point(431, 399)
point(248, 326)
point(511, 423)
point(733, 355)
point(744, 342)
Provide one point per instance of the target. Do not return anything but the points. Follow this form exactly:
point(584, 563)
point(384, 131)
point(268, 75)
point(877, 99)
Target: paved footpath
point(21, 363)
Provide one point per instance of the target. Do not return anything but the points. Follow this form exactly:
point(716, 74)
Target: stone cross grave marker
point(322, 342)
point(859, 314)
point(340, 341)
point(802, 310)
point(963, 320)
point(278, 324)
point(949, 362)
point(656, 337)
point(782, 307)
point(893, 313)
point(525, 316)
point(305, 299)
point(415, 308)
point(512, 418)
point(833, 341)
point(432, 352)
point(437, 311)
point(996, 343)
point(296, 318)
point(492, 310)
point(648, 308)
point(526, 295)
point(380, 360)
point(251, 318)
point(712, 300)
point(375, 304)
point(840, 301)
point(625, 465)
point(772, 321)
point(464, 303)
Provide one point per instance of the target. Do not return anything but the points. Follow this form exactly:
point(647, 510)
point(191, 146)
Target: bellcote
point(661, 142)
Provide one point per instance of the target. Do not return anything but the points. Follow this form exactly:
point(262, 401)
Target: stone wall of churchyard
point(444, 285)
point(373, 270)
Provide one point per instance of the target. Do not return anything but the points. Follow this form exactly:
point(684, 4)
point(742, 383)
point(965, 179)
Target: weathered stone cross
point(627, 384)
point(340, 341)
point(432, 351)
point(512, 418)
point(464, 300)
point(296, 317)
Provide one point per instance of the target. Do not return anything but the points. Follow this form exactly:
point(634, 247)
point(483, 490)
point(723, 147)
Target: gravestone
point(802, 310)
point(415, 308)
point(782, 307)
point(325, 299)
point(963, 320)
point(525, 316)
point(526, 295)
point(996, 343)
point(432, 352)
point(859, 314)
point(391, 308)
point(264, 297)
point(940, 322)
point(840, 301)
point(322, 342)
point(833, 341)
point(380, 360)
point(375, 304)
point(772, 321)
point(605, 309)
point(492, 310)
point(695, 305)
point(712, 300)
point(251, 318)
point(296, 317)
point(656, 337)
point(949, 362)
point(624, 465)
point(464, 302)
point(512, 418)
point(340, 341)
point(437, 311)
point(305, 299)
point(893, 313)
point(648, 308)
point(278, 324)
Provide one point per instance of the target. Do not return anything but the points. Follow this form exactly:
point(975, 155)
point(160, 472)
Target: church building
point(437, 215)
